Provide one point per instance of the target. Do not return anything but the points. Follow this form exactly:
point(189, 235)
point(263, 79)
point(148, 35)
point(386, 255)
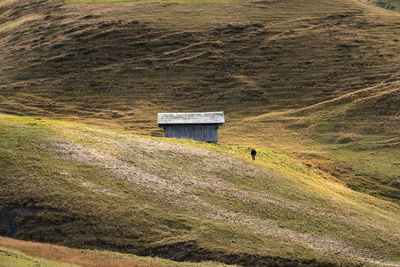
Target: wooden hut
point(200, 126)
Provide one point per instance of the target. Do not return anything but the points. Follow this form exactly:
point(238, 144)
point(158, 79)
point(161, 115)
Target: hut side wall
point(207, 133)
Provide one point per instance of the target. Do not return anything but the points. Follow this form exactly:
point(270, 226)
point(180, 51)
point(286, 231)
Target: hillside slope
point(88, 187)
point(388, 4)
point(284, 72)
point(122, 62)
point(26, 254)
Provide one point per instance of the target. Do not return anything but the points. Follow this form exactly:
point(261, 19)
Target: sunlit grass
point(15, 23)
point(25, 254)
point(12, 258)
point(288, 180)
point(284, 72)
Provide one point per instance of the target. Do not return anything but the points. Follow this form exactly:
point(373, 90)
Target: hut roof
point(192, 118)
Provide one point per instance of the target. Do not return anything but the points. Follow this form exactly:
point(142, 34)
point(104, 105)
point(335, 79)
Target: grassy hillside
point(388, 4)
point(313, 85)
point(315, 80)
point(88, 187)
point(22, 253)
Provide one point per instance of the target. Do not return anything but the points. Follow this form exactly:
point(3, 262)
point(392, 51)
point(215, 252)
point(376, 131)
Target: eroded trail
point(147, 165)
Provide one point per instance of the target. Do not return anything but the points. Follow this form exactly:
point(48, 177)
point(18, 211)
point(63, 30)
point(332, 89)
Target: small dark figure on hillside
point(253, 154)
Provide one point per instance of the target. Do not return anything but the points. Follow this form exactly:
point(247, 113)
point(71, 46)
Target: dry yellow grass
point(314, 83)
point(291, 75)
point(59, 256)
point(13, 24)
point(183, 200)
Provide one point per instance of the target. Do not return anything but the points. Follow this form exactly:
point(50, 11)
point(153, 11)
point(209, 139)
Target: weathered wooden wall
point(202, 132)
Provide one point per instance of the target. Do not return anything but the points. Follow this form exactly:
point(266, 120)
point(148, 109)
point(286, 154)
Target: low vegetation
point(312, 85)
point(23, 253)
point(296, 77)
point(87, 187)
point(393, 5)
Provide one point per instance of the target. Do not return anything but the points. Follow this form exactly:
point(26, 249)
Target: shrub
point(348, 138)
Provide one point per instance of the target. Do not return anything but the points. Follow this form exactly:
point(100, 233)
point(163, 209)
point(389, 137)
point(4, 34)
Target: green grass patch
point(57, 46)
point(9, 258)
point(393, 5)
